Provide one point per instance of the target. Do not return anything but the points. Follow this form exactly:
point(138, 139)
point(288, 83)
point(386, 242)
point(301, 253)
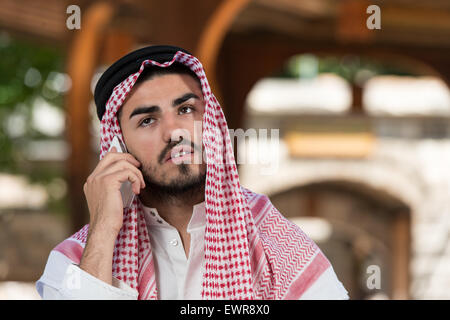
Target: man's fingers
point(112, 157)
point(119, 155)
point(122, 165)
point(116, 179)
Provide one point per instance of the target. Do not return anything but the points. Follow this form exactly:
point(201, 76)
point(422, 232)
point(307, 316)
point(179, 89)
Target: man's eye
point(146, 122)
point(186, 109)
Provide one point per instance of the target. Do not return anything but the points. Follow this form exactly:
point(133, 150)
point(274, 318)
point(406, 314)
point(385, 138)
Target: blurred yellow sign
point(330, 145)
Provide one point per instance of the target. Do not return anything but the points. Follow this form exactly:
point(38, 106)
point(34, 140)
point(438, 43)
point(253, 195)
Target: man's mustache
point(171, 145)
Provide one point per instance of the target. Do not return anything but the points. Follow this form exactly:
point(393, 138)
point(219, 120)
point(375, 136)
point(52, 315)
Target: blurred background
point(362, 164)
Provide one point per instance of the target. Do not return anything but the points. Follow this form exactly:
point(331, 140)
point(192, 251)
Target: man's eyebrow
point(145, 109)
point(184, 98)
point(153, 109)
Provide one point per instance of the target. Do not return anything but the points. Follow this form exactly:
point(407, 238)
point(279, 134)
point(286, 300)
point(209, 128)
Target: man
point(191, 232)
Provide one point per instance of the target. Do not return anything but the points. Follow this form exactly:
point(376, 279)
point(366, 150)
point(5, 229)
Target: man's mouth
point(179, 154)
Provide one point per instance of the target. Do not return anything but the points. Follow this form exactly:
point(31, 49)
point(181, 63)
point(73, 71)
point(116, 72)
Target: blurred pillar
point(213, 35)
point(357, 101)
point(82, 61)
point(401, 241)
point(312, 204)
point(117, 43)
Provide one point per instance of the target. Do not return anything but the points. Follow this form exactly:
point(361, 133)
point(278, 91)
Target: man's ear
point(119, 115)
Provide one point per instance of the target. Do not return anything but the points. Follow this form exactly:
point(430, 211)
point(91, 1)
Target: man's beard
point(184, 187)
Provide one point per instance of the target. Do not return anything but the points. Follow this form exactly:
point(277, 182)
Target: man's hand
point(102, 191)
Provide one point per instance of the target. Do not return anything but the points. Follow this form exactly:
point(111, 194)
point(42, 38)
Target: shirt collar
point(198, 218)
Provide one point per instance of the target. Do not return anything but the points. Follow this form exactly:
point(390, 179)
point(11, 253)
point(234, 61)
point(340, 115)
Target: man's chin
point(183, 183)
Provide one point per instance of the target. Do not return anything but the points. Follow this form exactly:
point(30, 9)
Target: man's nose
point(173, 131)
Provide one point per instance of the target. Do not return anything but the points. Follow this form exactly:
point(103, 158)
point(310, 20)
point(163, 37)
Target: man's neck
point(176, 211)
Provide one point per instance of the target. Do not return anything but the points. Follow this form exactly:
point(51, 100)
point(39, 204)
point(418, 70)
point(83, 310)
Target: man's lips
point(177, 150)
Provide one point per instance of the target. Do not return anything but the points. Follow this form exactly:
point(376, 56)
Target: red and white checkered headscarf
point(251, 250)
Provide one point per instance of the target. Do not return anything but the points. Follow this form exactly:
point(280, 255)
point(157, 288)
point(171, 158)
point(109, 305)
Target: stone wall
point(26, 239)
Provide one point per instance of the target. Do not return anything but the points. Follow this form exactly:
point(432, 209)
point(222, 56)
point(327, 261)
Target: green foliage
point(16, 96)
point(347, 67)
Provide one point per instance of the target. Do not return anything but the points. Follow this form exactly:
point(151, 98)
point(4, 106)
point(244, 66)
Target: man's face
point(157, 122)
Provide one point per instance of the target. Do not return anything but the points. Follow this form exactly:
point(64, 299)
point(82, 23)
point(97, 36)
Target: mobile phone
point(126, 188)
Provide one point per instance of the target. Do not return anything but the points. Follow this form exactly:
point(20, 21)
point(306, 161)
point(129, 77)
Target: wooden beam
point(260, 19)
point(416, 17)
point(304, 8)
point(351, 21)
point(45, 19)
